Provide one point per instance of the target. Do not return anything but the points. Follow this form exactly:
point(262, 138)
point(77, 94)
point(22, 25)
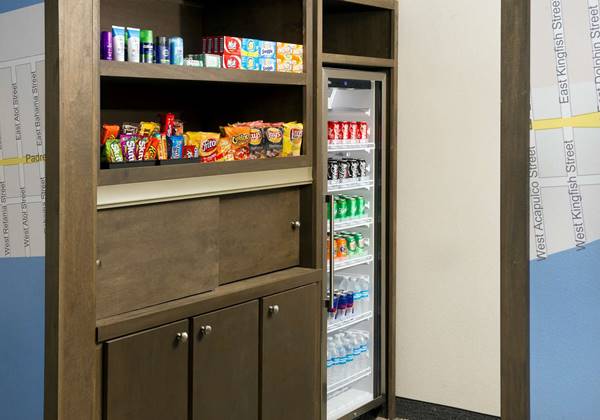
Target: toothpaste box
point(268, 64)
point(268, 49)
point(232, 61)
point(250, 63)
point(222, 45)
point(250, 47)
point(210, 60)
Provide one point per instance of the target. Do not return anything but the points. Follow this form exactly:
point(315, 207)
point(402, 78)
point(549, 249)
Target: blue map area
point(565, 335)
point(8, 5)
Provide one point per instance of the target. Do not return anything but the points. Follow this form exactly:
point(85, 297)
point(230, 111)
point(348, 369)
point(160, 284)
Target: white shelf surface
point(347, 186)
point(346, 402)
point(349, 147)
point(351, 262)
point(348, 322)
point(336, 386)
point(351, 223)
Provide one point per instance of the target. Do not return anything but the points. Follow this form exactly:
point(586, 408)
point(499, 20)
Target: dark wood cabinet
point(225, 364)
point(257, 233)
point(146, 375)
point(290, 355)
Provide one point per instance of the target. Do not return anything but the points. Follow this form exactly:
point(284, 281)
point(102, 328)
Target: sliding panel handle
point(331, 250)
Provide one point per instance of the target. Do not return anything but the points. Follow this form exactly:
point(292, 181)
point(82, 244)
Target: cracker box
point(284, 63)
point(222, 45)
point(268, 49)
point(231, 61)
point(250, 47)
point(286, 48)
point(268, 64)
point(250, 63)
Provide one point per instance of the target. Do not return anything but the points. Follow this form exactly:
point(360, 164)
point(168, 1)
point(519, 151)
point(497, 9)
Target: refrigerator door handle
point(330, 300)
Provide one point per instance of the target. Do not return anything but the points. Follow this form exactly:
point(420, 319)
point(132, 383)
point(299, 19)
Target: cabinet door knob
point(296, 224)
point(206, 330)
point(182, 337)
point(274, 309)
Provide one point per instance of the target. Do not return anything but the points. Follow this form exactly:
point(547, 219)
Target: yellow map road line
point(14, 161)
point(579, 121)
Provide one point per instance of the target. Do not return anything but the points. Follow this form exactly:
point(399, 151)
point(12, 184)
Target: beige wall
point(448, 314)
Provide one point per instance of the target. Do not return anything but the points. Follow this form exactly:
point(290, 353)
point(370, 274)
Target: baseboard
point(419, 410)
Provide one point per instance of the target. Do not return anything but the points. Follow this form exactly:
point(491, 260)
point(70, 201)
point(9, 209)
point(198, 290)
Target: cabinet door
point(290, 356)
point(146, 375)
point(256, 233)
point(225, 360)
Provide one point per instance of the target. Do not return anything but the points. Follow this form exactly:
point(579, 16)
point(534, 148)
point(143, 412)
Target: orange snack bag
point(239, 139)
point(109, 132)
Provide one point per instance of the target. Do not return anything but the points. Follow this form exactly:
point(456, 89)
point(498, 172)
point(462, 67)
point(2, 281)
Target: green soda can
point(328, 210)
point(352, 245)
point(360, 206)
point(360, 242)
point(351, 203)
point(341, 209)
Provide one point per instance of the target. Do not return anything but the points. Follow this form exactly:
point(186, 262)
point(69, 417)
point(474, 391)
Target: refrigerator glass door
point(354, 143)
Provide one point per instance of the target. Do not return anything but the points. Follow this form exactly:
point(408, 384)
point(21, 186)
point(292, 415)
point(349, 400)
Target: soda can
point(342, 247)
point(351, 244)
point(333, 170)
point(345, 130)
point(363, 170)
point(352, 206)
point(362, 132)
point(360, 205)
point(162, 50)
point(176, 50)
point(146, 39)
point(353, 168)
point(360, 242)
point(331, 131)
point(343, 170)
point(352, 128)
point(341, 208)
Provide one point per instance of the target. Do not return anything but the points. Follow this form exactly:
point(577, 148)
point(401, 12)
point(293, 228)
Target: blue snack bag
point(175, 147)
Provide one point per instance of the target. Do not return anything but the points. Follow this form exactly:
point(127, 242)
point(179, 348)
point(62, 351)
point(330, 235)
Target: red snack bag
point(109, 132)
point(151, 151)
point(168, 124)
point(190, 152)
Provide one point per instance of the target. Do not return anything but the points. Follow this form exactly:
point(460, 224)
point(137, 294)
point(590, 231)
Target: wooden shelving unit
point(357, 61)
point(185, 73)
point(380, 4)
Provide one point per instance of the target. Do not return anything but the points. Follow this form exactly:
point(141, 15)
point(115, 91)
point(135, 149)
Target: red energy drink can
point(345, 130)
point(362, 131)
point(352, 129)
point(331, 131)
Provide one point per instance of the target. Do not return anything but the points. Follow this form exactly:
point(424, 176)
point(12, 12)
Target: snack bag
point(129, 129)
point(148, 128)
point(190, 152)
point(224, 151)
point(292, 139)
point(109, 132)
point(205, 143)
point(175, 147)
point(273, 135)
point(257, 144)
point(239, 138)
point(162, 150)
point(128, 146)
point(112, 151)
point(140, 150)
point(178, 128)
point(151, 151)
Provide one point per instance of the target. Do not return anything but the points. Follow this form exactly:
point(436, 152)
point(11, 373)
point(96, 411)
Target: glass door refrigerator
point(354, 128)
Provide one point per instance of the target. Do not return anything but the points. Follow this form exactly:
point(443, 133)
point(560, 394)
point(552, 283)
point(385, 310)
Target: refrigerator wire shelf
point(336, 386)
point(349, 147)
point(336, 326)
point(352, 223)
point(346, 186)
point(351, 262)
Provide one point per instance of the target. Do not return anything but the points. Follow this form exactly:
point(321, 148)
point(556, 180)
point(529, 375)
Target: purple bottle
point(106, 45)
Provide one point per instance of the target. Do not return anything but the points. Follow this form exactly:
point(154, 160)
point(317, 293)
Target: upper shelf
point(171, 72)
point(357, 61)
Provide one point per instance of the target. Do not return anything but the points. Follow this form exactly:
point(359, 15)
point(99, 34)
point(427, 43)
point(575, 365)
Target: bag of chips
point(292, 139)
point(239, 139)
point(273, 135)
point(206, 143)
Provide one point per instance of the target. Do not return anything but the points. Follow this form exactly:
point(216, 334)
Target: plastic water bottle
point(357, 351)
point(359, 301)
point(349, 350)
point(365, 295)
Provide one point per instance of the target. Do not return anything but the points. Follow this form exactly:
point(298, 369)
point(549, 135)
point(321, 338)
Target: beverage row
point(347, 132)
point(150, 141)
point(140, 46)
point(350, 299)
point(347, 354)
point(347, 170)
point(347, 245)
point(347, 207)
